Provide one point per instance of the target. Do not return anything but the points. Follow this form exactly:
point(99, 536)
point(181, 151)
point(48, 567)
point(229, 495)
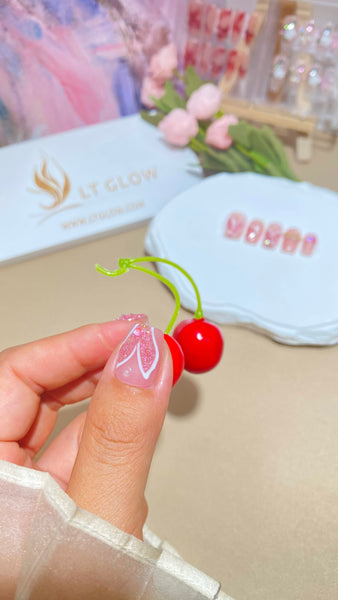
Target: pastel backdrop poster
point(70, 63)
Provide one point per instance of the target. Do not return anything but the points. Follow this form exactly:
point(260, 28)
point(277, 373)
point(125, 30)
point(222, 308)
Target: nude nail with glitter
point(140, 356)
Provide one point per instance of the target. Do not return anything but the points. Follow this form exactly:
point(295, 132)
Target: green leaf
point(152, 118)
point(161, 105)
point(210, 164)
point(241, 133)
point(244, 163)
point(192, 81)
point(171, 98)
point(260, 144)
point(225, 158)
point(279, 151)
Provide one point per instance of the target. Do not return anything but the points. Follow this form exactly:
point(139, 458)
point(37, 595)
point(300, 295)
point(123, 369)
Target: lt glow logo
point(56, 189)
point(53, 183)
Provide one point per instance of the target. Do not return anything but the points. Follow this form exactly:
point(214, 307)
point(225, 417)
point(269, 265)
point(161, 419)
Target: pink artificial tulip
point(205, 101)
point(151, 89)
point(164, 63)
point(178, 127)
point(217, 134)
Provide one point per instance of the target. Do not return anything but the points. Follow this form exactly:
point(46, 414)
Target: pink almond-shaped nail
point(237, 26)
point(254, 231)
point(206, 50)
point(195, 16)
point(224, 23)
point(191, 51)
point(291, 240)
point(218, 61)
point(235, 225)
point(139, 358)
point(272, 236)
point(309, 244)
point(211, 19)
point(244, 63)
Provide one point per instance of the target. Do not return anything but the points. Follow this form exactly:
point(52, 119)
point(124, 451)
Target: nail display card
point(88, 182)
point(263, 252)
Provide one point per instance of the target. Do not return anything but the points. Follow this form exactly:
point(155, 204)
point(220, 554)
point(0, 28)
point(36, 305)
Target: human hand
point(102, 458)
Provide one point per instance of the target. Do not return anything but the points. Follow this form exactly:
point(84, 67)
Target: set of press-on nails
point(269, 236)
point(219, 39)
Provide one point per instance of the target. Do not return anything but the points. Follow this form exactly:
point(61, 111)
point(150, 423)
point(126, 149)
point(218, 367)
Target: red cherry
point(201, 342)
point(177, 357)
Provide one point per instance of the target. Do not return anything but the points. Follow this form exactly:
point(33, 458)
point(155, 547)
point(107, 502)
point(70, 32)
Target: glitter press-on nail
point(272, 236)
point(139, 358)
point(235, 226)
point(309, 244)
point(254, 231)
point(291, 240)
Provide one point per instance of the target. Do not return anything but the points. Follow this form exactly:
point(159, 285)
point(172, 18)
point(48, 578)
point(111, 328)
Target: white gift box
point(84, 183)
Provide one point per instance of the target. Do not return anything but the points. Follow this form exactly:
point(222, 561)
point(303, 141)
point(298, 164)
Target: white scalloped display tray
point(290, 297)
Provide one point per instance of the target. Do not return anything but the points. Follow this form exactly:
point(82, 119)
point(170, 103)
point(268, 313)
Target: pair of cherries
point(196, 344)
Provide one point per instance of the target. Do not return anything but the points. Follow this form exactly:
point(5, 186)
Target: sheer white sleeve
point(52, 549)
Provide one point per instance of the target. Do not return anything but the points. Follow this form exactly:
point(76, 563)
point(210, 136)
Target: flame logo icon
point(56, 185)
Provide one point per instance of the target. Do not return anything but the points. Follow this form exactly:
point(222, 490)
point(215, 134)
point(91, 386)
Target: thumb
point(123, 423)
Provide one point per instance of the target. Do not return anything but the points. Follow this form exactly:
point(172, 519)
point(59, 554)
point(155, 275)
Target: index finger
point(29, 370)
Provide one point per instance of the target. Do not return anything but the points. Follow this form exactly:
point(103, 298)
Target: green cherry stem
point(170, 286)
point(130, 263)
point(199, 311)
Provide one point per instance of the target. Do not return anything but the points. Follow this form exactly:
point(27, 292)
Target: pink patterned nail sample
point(224, 23)
point(206, 52)
point(191, 50)
point(195, 16)
point(272, 236)
point(254, 231)
point(237, 26)
point(218, 61)
point(139, 358)
point(252, 28)
point(309, 244)
point(232, 64)
point(291, 240)
point(211, 20)
point(244, 63)
point(235, 226)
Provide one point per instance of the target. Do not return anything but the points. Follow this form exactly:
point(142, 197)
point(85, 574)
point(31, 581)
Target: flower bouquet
point(187, 111)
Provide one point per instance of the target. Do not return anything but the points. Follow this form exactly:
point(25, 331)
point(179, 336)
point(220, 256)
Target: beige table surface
point(244, 482)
